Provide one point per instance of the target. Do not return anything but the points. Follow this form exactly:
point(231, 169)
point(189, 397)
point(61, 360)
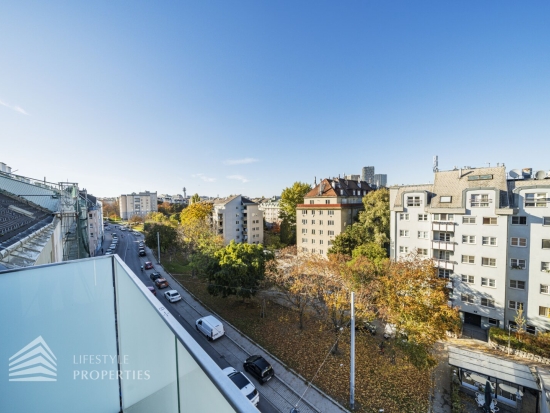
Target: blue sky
point(227, 97)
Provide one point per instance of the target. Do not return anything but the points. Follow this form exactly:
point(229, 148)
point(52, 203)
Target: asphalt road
point(219, 350)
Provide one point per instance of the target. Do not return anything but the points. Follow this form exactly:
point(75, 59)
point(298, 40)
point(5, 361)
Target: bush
point(536, 344)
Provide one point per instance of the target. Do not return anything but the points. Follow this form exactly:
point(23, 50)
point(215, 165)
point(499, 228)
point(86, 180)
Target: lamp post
point(352, 356)
point(158, 246)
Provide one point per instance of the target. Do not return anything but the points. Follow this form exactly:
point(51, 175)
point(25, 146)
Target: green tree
point(345, 242)
point(168, 236)
point(241, 268)
point(194, 199)
point(375, 219)
point(290, 198)
point(136, 219)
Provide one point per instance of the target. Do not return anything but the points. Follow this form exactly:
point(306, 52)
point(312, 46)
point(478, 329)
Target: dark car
point(152, 289)
point(161, 283)
point(142, 253)
point(155, 275)
point(148, 265)
point(259, 368)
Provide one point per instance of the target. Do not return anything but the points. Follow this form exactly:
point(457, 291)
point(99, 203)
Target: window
point(403, 217)
point(413, 201)
point(312, 212)
point(444, 217)
point(468, 220)
point(488, 282)
point(530, 329)
point(493, 322)
point(492, 241)
point(545, 220)
point(312, 201)
point(467, 298)
point(238, 229)
point(479, 200)
point(544, 289)
point(304, 240)
point(423, 234)
point(424, 217)
point(321, 252)
point(487, 302)
point(422, 251)
point(519, 220)
point(320, 222)
point(304, 221)
point(544, 311)
point(330, 232)
point(468, 239)
point(330, 212)
point(304, 211)
point(321, 212)
point(444, 273)
point(329, 242)
point(445, 199)
point(468, 279)
point(488, 262)
point(91, 234)
point(313, 241)
point(445, 236)
point(515, 305)
point(313, 222)
point(313, 250)
point(403, 232)
point(535, 200)
point(545, 266)
point(312, 232)
point(403, 249)
point(304, 230)
point(489, 221)
point(320, 232)
point(320, 241)
point(545, 244)
point(237, 222)
point(518, 242)
point(330, 222)
point(327, 201)
point(517, 284)
point(517, 264)
point(468, 259)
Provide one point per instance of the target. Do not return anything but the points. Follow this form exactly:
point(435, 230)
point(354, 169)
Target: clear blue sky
point(227, 97)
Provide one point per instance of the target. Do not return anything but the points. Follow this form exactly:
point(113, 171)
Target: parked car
point(142, 253)
point(211, 327)
point(172, 296)
point(259, 368)
point(161, 283)
point(244, 384)
point(148, 265)
point(152, 289)
point(154, 275)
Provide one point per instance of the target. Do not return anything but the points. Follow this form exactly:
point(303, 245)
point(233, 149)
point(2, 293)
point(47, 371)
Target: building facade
point(487, 235)
point(238, 218)
point(271, 210)
point(326, 212)
point(367, 174)
point(380, 180)
point(137, 204)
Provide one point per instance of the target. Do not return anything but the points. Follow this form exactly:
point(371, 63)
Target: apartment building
point(327, 210)
point(137, 204)
point(271, 210)
point(489, 235)
point(238, 218)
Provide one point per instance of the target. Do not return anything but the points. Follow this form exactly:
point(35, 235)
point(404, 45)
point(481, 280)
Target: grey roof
point(410, 188)
point(492, 366)
point(223, 201)
point(44, 196)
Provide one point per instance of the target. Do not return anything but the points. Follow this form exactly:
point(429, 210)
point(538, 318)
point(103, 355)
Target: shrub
point(536, 344)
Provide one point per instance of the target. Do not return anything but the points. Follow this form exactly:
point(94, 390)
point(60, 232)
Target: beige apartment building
point(326, 212)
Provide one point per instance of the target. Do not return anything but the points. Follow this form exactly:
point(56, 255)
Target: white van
point(211, 327)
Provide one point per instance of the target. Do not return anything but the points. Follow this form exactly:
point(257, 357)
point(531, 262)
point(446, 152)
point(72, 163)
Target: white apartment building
point(271, 210)
point(137, 204)
point(327, 210)
point(488, 235)
point(238, 218)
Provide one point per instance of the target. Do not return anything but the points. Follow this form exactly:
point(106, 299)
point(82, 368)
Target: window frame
point(489, 265)
point(468, 279)
point(492, 221)
point(518, 242)
point(517, 286)
point(413, 201)
point(515, 263)
point(519, 218)
point(489, 239)
point(468, 261)
point(468, 220)
point(488, 282)
point(489, 302)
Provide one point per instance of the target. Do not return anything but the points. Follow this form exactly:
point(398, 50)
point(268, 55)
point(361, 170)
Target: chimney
point(459, 173)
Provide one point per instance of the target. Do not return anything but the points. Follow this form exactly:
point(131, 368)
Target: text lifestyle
point(100, 359)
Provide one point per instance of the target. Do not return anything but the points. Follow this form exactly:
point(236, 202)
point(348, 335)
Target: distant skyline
point(248, 97)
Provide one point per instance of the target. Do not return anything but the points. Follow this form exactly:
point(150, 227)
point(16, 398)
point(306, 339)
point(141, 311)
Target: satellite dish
point(540, 175)
point(514, 173)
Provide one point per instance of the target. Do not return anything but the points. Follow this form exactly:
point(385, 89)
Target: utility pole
point(158, 246)
point(352, 356)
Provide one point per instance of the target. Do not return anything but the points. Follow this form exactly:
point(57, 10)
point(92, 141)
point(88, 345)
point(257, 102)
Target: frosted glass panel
point(197, 393)
point(59, 339)
point(147, 350)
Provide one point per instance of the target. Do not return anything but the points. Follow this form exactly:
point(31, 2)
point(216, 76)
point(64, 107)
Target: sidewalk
point(283, 397)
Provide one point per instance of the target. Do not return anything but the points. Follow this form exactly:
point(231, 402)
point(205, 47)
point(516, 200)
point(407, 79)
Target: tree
point(198, 211)
point(375, 255)
point(157, 217)
point(375, 219)
point(111, 209)
point(290, 198)
point(194, 199)
point(168, 236)
point(241, 268)
point(521, 322)
point(347, 241)
point(136, 219)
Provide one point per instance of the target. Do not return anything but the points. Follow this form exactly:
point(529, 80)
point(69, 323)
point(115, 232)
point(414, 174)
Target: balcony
point(444, 264)
point(443, 245)
point(443, 226)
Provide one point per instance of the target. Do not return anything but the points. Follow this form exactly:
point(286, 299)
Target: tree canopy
point(290, 198)
point(195, 198)
point(167, 235)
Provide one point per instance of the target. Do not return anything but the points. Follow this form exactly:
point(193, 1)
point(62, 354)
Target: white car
point(172, 296)
point(244, 384)
point(210, 326)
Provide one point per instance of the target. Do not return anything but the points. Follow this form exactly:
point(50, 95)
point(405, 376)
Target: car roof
point(259, 361)
point(239, 379)
point(148, 262)
point(212, 320)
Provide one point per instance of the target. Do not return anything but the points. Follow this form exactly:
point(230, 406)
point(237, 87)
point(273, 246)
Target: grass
point(380, 383)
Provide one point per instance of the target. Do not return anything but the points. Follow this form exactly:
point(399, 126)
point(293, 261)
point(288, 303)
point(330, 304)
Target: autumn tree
point(111, 209)
point(290, 198)
point(156, 217)
point(414, 300)
point(194, 199)
point(167, 236)
point(136, 219)
point(241, 269)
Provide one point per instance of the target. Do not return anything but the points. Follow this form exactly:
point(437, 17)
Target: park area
point(383, 381)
